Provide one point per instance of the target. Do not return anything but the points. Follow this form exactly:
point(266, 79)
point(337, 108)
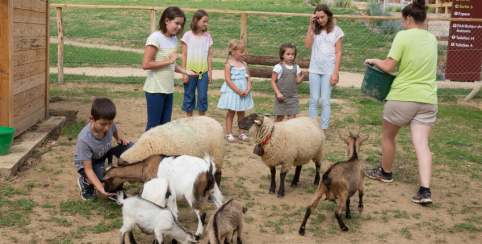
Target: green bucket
point(6, 136)
point(376, 83)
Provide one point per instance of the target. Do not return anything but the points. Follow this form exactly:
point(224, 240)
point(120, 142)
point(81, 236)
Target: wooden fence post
point(60, 27)
point(153, 20)
point(244, 29)
point(474, 92)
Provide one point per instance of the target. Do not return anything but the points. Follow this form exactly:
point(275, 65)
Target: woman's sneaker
point(422, 198)
point(86, 189)
point(377, 174)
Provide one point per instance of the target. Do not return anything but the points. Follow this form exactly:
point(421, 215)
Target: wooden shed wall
point(29, 62)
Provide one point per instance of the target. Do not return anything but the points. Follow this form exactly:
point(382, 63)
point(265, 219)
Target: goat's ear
point(364, 139)
point(245, 209)
point(114, 161)
point(103, 169)
point(344, 138)
point(351, 134)
point(105, 178)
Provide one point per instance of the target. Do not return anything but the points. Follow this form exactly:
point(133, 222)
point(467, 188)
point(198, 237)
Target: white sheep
point(148, 218)
point(194, 136)
point(191, 178)
point(157, 190)
point(294, 142)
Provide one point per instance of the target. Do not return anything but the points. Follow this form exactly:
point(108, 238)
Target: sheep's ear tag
point(257, 122)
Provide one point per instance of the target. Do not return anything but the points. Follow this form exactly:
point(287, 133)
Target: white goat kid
point(157, 190)
point(149, 218)
point(190, 178)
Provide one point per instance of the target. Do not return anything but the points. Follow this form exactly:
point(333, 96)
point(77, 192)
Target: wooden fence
point(243, 25)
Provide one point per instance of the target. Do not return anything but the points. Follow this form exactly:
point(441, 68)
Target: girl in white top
point(326, 38)
point(160, 62)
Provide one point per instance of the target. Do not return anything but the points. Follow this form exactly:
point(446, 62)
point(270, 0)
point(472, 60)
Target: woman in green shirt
point(412, 98)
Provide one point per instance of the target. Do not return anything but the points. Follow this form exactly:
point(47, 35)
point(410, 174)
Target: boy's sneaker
point(422, 198)
point(377, 174)
point(86, 190)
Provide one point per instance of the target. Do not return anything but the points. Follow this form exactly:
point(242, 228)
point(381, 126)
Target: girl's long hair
point(171, 13)
point(235, 45)
point(330, 25)
point(197, 16)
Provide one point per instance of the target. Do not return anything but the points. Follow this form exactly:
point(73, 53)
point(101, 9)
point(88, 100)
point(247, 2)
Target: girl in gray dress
point(286, 75)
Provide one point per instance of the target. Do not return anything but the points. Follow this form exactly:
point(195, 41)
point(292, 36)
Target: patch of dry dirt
point(389, 215)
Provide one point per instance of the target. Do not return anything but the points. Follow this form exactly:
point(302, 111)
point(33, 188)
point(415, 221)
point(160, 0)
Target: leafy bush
point(389, 27)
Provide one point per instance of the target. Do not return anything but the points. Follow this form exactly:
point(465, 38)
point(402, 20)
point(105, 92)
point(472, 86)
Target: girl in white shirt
point(326, 38)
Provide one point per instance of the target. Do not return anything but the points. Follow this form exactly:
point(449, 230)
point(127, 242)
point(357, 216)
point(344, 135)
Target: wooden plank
point(272, 61)
point(28, 109)
point(47, 61)
point(100, 6)
point(60, 52)
point(29, 121)
point(23, 29)
point(30, 56)
point(265, 73)
point(28, 43)
point(27, 16)
point(27, 70)
point(5, 65)
point(28, 96)
point(25, 84)
point(34, 5)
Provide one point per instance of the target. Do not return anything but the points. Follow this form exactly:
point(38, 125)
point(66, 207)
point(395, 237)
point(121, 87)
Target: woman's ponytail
point(417, 10)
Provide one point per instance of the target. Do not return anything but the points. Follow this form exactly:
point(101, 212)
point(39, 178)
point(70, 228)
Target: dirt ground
point(389, 214)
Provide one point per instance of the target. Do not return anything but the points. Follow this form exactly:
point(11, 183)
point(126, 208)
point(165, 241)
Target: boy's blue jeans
point(159, 109)
point(189, 102)
point(320, 88)
point(98, 164)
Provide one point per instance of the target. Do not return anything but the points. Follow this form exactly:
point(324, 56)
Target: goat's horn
point(351, 134)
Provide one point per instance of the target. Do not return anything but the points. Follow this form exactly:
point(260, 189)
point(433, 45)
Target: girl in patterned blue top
point(236, 90)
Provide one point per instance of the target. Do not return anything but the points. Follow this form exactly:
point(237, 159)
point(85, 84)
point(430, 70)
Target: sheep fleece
point(194, 136)
point(293, 142)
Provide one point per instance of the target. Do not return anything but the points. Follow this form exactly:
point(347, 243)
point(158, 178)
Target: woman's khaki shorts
point(402, 113)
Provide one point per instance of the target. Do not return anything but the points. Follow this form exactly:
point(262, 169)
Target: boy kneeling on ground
point(94, 145)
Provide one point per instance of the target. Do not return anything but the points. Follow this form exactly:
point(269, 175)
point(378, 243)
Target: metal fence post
point(60, 62)
point(244, 29)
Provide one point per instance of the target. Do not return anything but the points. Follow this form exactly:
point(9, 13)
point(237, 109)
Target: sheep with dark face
point(291, 143)
point(340, 181)
point(225, 221)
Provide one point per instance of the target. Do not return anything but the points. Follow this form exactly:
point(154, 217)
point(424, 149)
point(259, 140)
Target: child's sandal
point(243, 137)
point(230, 138)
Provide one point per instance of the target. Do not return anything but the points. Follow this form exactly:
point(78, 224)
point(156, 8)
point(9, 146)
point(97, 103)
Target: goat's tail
point(121, 196)
point(326, 179)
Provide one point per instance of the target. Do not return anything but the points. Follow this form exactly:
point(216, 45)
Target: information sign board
point(464, 55)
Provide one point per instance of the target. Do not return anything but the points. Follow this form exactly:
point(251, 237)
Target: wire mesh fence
point(108, 45)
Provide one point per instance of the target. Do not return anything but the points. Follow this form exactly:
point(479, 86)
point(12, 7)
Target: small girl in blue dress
point(236, 96)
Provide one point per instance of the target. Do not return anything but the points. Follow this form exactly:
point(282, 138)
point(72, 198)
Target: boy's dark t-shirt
point(91, 147)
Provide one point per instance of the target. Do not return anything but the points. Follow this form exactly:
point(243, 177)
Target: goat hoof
point(280, 196)
point(344, 228)
point(294, 184)
point(301, 232)
point(271, 192)
point(197, 237)
point(360, 209)
point(348, 216)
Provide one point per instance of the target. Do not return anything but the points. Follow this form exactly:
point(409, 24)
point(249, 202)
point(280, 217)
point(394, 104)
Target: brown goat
point(340, 182)
point(225, 221)
point(118, 172)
